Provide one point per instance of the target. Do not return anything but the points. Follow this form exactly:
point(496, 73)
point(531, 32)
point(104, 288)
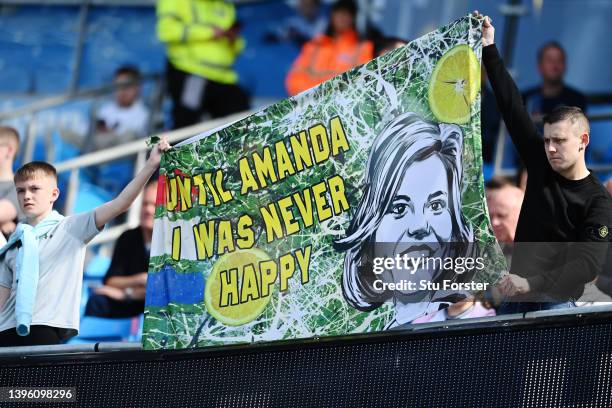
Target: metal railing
point(450, 326)
point(138, 148)
point(58, 100)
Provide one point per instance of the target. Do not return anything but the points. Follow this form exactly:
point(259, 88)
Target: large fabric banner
point(356, 206)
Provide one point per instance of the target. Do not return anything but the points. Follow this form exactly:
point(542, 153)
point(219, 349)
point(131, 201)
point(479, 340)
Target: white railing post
point(30, 141)
point(73, 186)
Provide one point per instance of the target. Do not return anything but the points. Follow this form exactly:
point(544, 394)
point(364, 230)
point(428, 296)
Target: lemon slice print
point(240, 309)
point(454, 85)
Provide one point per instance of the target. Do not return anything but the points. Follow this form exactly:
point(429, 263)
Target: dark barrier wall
point(558, 361)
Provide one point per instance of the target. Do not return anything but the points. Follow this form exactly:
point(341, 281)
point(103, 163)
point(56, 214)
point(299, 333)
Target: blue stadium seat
point(487, 170)
point(15, 80)
point(600, 144)
point(51, 80)
point(112, 177)
point(89, 197)
point(101, 329)
point(97, 267)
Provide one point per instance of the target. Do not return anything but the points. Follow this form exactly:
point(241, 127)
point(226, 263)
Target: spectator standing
point(332, 53)
point(552, 92)
point(309, 21)
point(123, 292)
point(202, 44)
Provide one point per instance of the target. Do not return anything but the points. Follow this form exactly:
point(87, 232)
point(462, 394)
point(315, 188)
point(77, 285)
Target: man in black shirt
point(565, 223)
point(553, 92)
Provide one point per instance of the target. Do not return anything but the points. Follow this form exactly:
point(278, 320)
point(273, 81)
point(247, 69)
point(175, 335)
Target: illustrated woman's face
point(418, 220)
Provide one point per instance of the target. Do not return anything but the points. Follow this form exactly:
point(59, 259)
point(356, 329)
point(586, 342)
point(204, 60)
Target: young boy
point(42, 265)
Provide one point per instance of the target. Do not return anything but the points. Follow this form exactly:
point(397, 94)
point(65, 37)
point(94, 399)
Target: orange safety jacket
point(324, 57)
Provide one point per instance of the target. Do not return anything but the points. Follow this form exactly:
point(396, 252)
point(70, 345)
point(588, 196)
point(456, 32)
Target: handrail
point(56, 100)
point(139, 148)
point(447, 325)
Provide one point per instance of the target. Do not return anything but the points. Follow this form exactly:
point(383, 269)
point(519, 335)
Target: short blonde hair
point(9, 135)
point(34, 170)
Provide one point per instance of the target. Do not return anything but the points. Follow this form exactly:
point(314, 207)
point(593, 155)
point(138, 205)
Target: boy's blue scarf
point(27, 266)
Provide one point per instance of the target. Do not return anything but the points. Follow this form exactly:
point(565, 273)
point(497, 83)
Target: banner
point(353, 207)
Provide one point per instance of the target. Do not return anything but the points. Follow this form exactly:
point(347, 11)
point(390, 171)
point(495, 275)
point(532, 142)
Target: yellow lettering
point(320, 144)
point(171, 194)
point(225, 238)
point(229, 288)
point(198, 181)
point(287, 268)
point(246, 176)
point(301, 152)
point(303, 259)
point(250, 288)
point(304, 205)
point(338, 197)
point(338, 137)
point(204, 239)
point(245, 233)
point(269, 272)
point(184, 188)
point(274, 228)
point(291, 225)
point(264, 167)
point(323, 209)
point(211, 188)
point(283, 161)
point(226, 196)
point(176, 243)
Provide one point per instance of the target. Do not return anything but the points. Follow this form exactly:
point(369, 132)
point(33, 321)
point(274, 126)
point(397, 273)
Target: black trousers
point(103, 306)
point(39, 336)
point(217, 99)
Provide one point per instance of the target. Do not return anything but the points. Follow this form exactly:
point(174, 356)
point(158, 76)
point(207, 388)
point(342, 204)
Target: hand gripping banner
point(356, 206)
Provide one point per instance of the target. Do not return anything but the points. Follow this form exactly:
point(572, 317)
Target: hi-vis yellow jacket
point(187, 27)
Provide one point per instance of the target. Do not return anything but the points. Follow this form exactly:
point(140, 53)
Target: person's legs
point(103, 306)
point(39, 336)
point(98, 305)
point(224, 99)
point(176, 82)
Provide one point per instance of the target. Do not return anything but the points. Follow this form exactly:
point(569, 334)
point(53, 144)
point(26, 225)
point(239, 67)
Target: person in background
point(309, 22)
point(9, 146)
point(552, 92)
point(123, 292)
point(504, 201)
point(332, 53)
point(125, 118)
point(202, 44)
point(385, 44)
point(469, 308)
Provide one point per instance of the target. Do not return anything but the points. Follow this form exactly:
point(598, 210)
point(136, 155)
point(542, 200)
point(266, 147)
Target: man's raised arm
point(524, 133)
